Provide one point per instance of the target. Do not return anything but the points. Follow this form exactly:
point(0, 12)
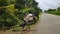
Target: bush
point(8, 17)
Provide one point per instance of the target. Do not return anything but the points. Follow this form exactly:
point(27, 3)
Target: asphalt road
point(48, 24)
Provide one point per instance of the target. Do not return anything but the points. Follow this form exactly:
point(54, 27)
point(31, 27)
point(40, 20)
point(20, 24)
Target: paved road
point(48, 24)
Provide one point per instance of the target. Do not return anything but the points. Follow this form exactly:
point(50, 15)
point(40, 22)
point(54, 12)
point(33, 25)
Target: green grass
point(17, 29)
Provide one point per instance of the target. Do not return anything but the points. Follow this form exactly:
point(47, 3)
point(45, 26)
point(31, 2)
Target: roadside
point(18, 30)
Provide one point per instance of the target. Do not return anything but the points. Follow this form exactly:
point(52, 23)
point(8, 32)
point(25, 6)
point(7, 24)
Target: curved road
point(48, 24)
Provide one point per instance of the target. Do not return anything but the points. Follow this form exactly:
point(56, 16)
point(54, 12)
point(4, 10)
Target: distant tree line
point(54, 11)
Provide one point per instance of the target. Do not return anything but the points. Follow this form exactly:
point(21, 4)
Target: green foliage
point(4, 2)
point(8, 18)
point(19, 4)
point(25, 3)
point(54, 11)
point(58, 9)
point(16, 29)
point(12, 12)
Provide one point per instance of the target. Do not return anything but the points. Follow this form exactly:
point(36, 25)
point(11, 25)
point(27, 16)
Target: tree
point(4, 2)
point(58, 8)
point(13, 11)
point(19, 4)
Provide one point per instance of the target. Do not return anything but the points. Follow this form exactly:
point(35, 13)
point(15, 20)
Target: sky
point(48, 4)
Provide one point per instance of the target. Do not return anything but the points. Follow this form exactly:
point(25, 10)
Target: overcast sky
point(46, 4)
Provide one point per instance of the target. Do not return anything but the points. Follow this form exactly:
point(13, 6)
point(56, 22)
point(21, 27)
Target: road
point(48, 24)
